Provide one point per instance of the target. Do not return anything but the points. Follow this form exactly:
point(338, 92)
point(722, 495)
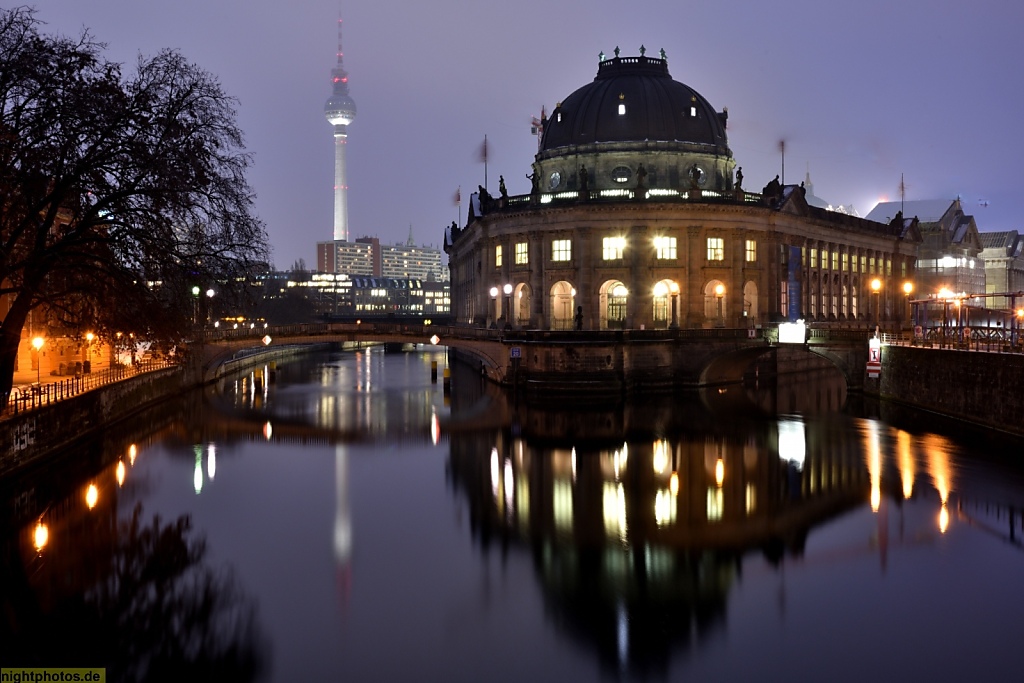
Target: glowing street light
point(673, 289)
point(508, 305)
point(719, 293)
point(37, 344)
point(876, 286)
point(908, 288)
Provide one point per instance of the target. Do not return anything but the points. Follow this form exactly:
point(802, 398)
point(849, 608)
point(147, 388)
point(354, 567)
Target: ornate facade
point(638, 218)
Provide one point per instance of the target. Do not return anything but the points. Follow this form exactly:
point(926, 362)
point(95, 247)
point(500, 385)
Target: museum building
point(638, 218)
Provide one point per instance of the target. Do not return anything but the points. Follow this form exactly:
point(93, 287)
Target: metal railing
point(27, 397)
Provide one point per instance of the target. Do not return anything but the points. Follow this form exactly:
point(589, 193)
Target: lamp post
point(908, 288)
point(876, 286)
point(37, 344)
point(719, 293)
point(89, 336)
point(195, 303)
point(494, 306)
point(508, 306)
point(209, 304)
point(673, 289)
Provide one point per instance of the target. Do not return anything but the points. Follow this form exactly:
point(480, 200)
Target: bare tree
point(118, 194)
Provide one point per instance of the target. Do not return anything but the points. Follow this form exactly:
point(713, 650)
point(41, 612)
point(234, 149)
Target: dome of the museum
point(634, 99)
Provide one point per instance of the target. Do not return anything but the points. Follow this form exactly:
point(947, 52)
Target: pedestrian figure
point(579, 317)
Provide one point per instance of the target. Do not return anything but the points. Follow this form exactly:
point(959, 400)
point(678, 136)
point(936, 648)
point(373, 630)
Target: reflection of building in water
point(638, 544)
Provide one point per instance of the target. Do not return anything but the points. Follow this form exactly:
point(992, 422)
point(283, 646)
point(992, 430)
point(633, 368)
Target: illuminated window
point(835, 260)
point(716, 249)
point(561, 250)
point(613, 248)
point(824, 258)
point(497, 256)
point(863, 264)
point(522, 255)
point(622, 109)
point(846, 261)
point(871, 264)
point(814, 257)
point(693, 111)
point(751, 251)
point(888, 266)
point(784, 297)
point(666, 247)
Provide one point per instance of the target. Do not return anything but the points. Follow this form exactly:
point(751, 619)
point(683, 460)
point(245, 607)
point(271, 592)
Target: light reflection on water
point(372, 526)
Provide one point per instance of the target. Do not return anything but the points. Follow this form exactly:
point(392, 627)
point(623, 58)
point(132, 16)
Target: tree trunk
point(10, 338)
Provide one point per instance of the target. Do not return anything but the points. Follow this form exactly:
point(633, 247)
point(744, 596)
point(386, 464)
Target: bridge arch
point(730, 367)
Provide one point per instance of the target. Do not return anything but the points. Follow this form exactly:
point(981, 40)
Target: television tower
point(340, 111)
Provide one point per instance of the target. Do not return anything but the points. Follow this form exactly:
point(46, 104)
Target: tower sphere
point(340, 110)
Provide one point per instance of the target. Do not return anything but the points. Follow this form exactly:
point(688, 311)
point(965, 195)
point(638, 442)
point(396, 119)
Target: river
point(345, 517)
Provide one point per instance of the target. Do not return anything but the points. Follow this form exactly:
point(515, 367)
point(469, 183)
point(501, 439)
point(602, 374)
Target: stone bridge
point(607, 361)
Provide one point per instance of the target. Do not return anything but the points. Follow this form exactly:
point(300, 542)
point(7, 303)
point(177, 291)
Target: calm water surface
point(345, 519)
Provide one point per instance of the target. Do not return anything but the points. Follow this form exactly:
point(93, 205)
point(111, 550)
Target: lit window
point(716, 249)
point(784, 297)
point(497, 256)
point(751, 251)
point(622, 109)
point(814, 257)
point(522, 255)
point(666, 247)
point(835, 260)
point(693, 111)
point(613, 248)
point(561, 250)
point(846, 257)
point(824, 258)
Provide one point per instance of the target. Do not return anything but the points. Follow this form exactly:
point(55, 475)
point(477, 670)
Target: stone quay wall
point(982, 388)
point(33, 433)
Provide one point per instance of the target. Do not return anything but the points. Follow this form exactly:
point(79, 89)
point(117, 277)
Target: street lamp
point(719, 293)
point(195, 303)
point(37, 343)
point(673, 289)
point(876, 286)
point(508, 306)
point(908, 287)
point(209, 305)
point(494, 306)
point(89, 336)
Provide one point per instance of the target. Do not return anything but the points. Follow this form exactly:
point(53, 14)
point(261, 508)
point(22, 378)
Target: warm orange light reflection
point(119, 472)
point(937, 452)
point(41, 536)
point(719, 472)
point(943, 519)
point(268, 431)
point(874, 457)
point(906, 460)
point(132, 451)
point(673, 484)
point(92, 494)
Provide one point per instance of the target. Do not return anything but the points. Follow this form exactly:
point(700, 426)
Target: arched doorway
point(522, 305)
point(563, 305)
point(715, 311)
point(665, 304)
point(750, 302)
point(612, 305)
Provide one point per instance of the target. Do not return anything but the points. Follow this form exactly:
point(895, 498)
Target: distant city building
point(367, 256)
point(340, 296)
point(950, 255)
point(1003, 254)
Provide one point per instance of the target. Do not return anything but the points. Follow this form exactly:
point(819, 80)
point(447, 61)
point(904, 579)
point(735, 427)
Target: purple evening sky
point(860, 94)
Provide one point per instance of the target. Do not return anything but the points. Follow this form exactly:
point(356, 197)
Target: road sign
point(515, 352)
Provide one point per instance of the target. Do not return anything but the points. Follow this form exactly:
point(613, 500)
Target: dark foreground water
point(348, 521)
